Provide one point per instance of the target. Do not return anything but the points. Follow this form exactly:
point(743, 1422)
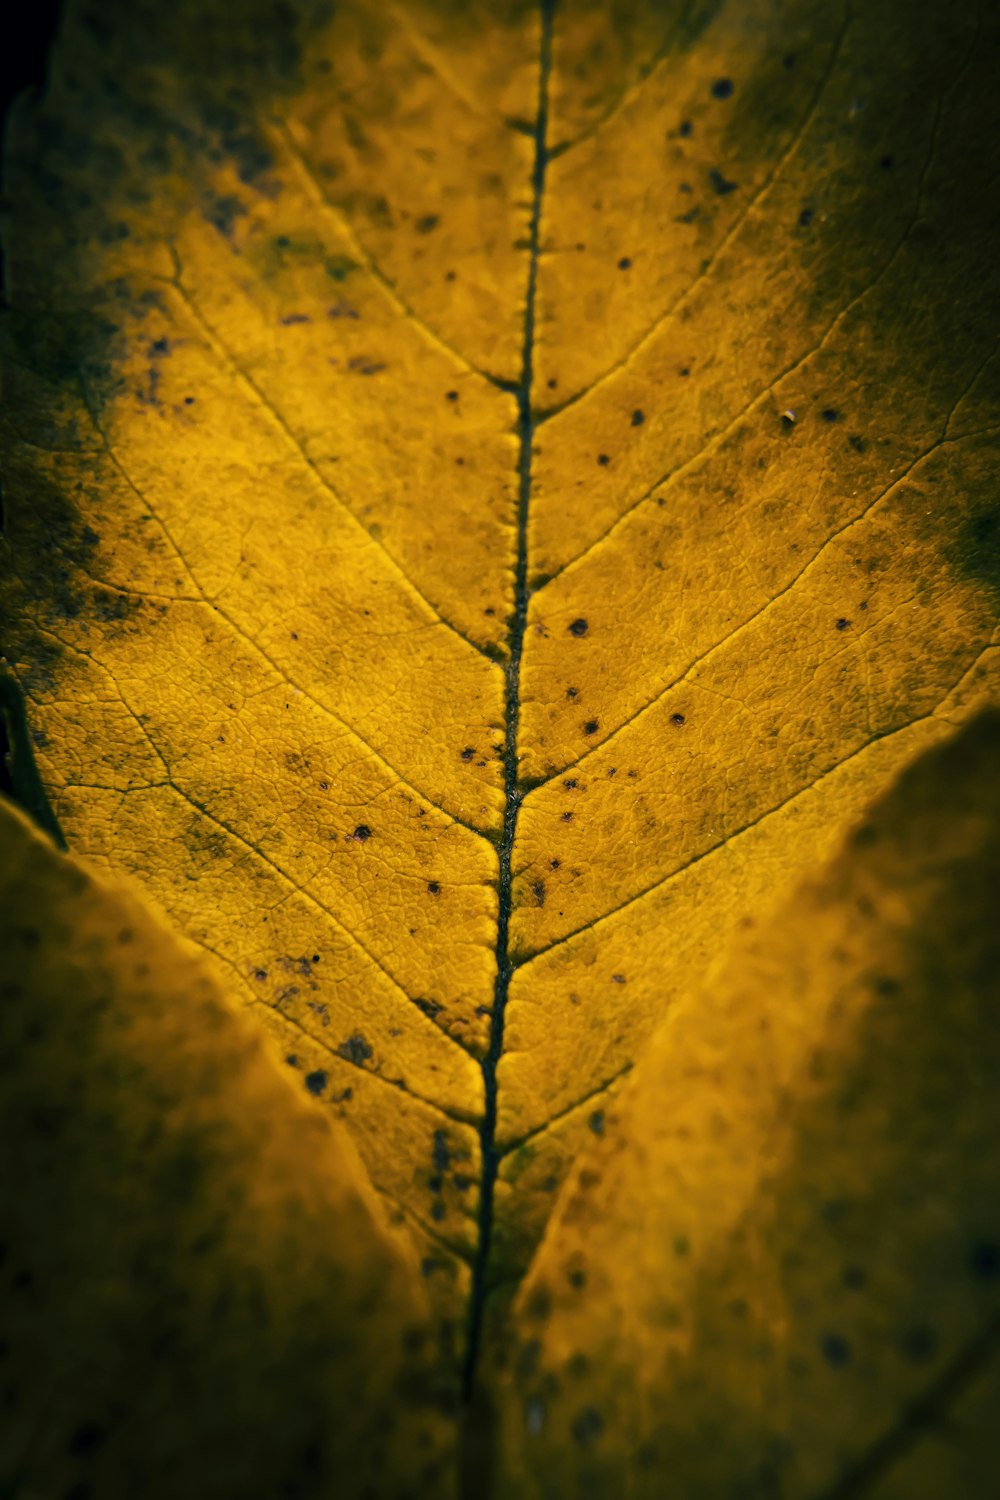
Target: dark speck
point(624, 263)
point(830, 414)
point(806, 217)
point(638, 417)
point(571, 692)
point(578, 627)
point(572, 784)
point(587, 1427)
point(292, 1060)
point(857, 443)
point(316, 1082)
point(603, 460)
point(355, 1049)
point(984, 1260)
point(843, 624)
point(677, 719)
point(433, 887)
point(685, 128)
point(88, 1438)
point(886, 163)
point(451, 395)
point(789, 60)
point(468, 753)
point(437, 1210)
point(427, 223)
point(538, 891)
point(440, 1155)
point(596, 1122)
point(188, 400)
point(918, 1344)
point(591, 726)
point(720, 183)
point(567, 817)
point(722, 88)
point(362, 833)
point(618, 979)
point(160, 346)
point(836, 1350)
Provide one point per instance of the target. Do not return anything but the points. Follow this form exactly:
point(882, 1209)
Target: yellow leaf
point(778, 1269)
point(493, 494)
point(201, 1293)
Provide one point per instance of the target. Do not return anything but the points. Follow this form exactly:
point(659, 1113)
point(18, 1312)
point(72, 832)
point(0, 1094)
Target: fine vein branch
point(513, 791)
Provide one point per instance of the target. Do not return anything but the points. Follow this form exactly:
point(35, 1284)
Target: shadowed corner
point(23, 64)
point(19, 778)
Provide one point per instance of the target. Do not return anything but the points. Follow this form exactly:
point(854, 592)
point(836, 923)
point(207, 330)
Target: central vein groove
point(512, 787)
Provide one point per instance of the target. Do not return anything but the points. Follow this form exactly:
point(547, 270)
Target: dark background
point(26, 44)
point(23, 59)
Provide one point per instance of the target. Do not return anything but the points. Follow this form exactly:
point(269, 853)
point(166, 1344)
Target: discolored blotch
point(316, 1081)
point(974, 549)
point(835, 1350)
point(587, 1426)
point(720, 183)
point(356, 1050)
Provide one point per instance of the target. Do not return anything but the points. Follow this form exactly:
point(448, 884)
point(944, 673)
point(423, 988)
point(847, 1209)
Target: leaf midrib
point(513, 790)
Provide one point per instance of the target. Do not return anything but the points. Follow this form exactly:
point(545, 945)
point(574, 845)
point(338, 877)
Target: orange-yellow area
point(268, 486)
